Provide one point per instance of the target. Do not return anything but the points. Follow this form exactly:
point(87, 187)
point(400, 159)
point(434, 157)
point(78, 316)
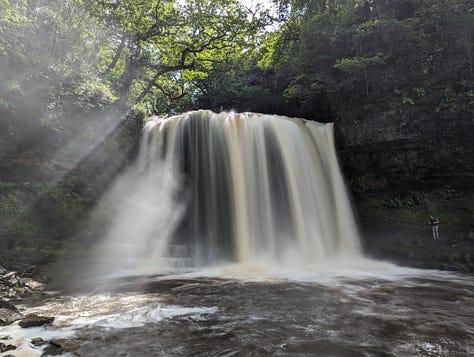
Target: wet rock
point(7, 317)
point(38, 341)
point(6, 348)
point(68, 345)
point(35, 320)
point(53, 350)
point(33, 284)
point(7, 305)
point(8, 313)
point(13, 283)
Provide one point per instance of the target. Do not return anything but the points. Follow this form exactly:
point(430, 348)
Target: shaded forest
point(79, 78)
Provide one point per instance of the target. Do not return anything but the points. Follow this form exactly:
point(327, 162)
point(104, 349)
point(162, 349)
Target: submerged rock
point(67, 345)
point(35, 320)
point(53, 350)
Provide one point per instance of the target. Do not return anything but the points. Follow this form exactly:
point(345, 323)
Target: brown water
point(396, 312)
point(209, 188)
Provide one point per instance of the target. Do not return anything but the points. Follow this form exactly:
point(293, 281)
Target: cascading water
point(263, 192)
point(234, 187)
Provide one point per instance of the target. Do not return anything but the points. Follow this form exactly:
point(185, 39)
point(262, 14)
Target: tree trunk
point(128, 76)
point(118, 53)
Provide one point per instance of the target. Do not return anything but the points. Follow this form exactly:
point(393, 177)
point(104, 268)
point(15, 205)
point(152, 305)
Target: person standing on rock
point(434, 222)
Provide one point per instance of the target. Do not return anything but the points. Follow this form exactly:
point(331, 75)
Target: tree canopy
point(331, 57)
point(75, 58)
point(63, 58)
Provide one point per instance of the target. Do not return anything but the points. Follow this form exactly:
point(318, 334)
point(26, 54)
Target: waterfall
point(235, 187)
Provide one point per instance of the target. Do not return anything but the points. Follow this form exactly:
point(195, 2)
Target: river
point(248, 311)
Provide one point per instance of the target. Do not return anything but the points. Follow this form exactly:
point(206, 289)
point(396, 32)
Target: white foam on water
point(335, 271)
point(21, 338)
point(103, 311)
point(114, 311)
point(23, 348)
point(141, 316)
point(46, 333)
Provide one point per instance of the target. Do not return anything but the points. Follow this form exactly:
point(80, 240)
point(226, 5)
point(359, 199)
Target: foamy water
point(247, 310)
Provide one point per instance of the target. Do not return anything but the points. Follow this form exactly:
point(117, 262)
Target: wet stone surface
point(33, 320)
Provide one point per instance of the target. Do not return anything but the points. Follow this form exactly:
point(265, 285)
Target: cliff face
point(390, 150)
point(405, 161)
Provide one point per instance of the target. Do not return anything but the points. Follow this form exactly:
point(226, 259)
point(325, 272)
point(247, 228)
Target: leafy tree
point(46, 65)
point(160, 46)
point(341, 57)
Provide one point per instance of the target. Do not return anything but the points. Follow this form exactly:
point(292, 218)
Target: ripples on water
point(401, 313)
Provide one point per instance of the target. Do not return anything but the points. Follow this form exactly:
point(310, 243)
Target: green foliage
point(42, 208)
point(62, 59)
point(420, 92)
point(358, 64)
point(12, 201)
point(138, 113)
point(93, 95)
point(60, 208)
point(37, 217)
point(407, 100)
point(15, 210)
point(409, 211)
point(89, 54)
point(160, 47)
point(338, 58)
point(6, 186)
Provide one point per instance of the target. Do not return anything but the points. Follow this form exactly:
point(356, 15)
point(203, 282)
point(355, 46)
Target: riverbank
point(395, 227)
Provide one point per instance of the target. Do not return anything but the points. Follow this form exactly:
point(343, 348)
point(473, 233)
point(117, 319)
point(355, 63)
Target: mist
point(62, 137)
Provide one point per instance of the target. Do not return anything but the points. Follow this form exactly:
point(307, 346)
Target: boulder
point(33, 320)
point(33, 284)
point(38, 341)
point(5, 348)
point(68, 345)
point(53, 350)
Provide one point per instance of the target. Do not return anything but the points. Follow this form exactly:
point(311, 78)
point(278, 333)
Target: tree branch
point(118, 53)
